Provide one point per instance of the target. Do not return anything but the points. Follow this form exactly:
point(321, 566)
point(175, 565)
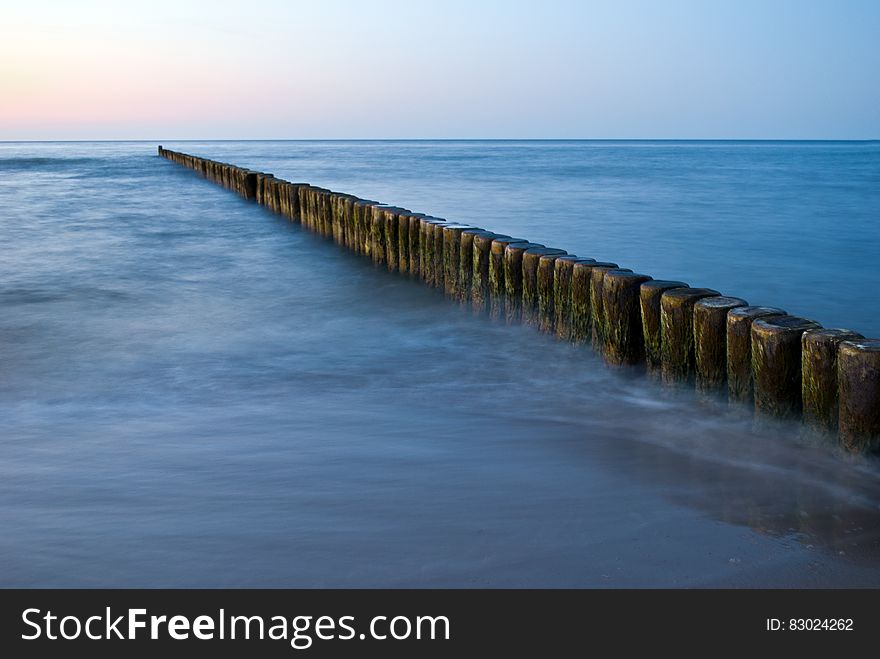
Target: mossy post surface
point(858, 375)
point(546, 292)
point(325, 221)
point(622, 317)
point(497, 285)
point(348, 214)
point(581, 308)
point(466, 263)
point(597, 308)
point(427, 247)
point(710, 341)
point(740, 381)
point(677, 354)
point(562, 276)
point(436, 234)
point(403, 242)
point(480, 284)
point(513, 279)
point(531, 258)
point(452, 257)
point(338, 223)
point(650, 293)
point(392, 237)
point(776, 364)
point(415, 222)
point(819, 377)
point(377, 234)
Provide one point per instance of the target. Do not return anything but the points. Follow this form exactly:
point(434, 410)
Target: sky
point(335, 69)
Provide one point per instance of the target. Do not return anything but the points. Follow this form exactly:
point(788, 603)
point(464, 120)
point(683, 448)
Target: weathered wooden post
point(546, 279)
point(376, 220)
point(392, 239)
point(858, 375)
point(497, 283)
point(677, 355)
point(776, 364)
point(403, 221)
point(426, 249)
point(362, 211)
point(581, 290)
point(414, 228)
point(562, 294)
point(513, 279)
point(740, 382)
point(710, 341)
point(622, 317)
point(530, 260)
point(435, 231)
point(650, 293)
point(819, 377)
point(452, 257)
point(597, 309)
point(481, 247)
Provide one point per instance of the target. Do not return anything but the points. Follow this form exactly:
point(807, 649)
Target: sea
point(196, 392)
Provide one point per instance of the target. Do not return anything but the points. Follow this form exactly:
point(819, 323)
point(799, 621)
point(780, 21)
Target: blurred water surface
point(195, 392)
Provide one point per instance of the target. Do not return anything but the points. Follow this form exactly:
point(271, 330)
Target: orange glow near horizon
point(194, 69)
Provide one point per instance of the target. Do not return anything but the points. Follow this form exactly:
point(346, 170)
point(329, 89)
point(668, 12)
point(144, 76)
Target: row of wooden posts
point(785, 366)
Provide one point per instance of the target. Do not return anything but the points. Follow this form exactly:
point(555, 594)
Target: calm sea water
point(195, 392)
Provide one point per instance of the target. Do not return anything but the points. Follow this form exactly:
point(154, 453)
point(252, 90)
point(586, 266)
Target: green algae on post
point(650, 293)
point(562, 294)
point(622, 317)
point(497, 284)
point(546, 277)
point(819, 386)
point(513, 278)
point(530, 261)
point(710, 341)
point(677, 354)
point(452, 257)
point(740, 381)
point(776, 364)
point(597, 309)
point(858, 375)
point(480, 286)
point(581, 309)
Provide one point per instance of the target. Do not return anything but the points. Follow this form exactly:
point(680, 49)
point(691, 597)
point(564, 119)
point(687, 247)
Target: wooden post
point(480, 285)
point(426, 249)
point(858, 374)
point(452, 257)
point(776, 364)
point(677, 332)
point(597, 308)
point(740, 383)
point(622, 317)
point(650, 293)
point(581, 308)
point(819, 377)
point(392, 238)
point(513, 279)
point(710, 341)
point(530, 261)
point(546, 277)
point(415, 223)
point(562, 294)
point(497, 284)
point(377, 234)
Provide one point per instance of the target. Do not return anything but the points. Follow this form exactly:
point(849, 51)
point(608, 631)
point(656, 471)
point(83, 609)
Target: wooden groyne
point(783, 366)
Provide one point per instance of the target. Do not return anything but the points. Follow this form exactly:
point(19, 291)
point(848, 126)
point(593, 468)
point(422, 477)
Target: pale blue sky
point(479, 69)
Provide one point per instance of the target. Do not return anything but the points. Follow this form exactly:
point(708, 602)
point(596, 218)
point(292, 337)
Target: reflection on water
point(194, 392)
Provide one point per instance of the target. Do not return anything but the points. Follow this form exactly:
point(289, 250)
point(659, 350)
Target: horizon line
point(452, 139)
